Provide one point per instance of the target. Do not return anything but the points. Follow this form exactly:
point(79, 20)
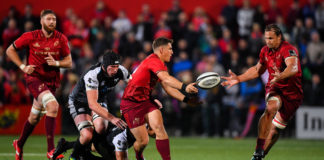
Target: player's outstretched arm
point(251, 73)
point(92, 96)
point(13, 55)
point(174, 83)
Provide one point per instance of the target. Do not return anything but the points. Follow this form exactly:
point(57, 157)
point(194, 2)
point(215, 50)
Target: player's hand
point(29, 69)
point(276, 76)
point(191, 88)
point(119, 123)
point(50, 60)
point(158, 103)
point(231, 80)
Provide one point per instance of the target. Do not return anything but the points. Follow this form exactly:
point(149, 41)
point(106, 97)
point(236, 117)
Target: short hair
point(275, 28)
point(46, 12)
point(161, 41)
point(110, 58)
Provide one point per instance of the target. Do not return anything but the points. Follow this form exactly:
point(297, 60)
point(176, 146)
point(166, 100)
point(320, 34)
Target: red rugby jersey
point(144, 79)
point(39, 47)
point(290, 87)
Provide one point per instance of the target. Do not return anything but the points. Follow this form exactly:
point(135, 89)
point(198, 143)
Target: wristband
point(185, 99)
point(22, 66)
point(57, 63)
point(183, 87)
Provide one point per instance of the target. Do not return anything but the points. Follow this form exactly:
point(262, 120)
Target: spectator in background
point(256, 40)
point(29, 17)
point(108, 31)
point(122, 24)
point(100, 44)
point(259, 16)
point(294, 13)
point(15, 90)
point(101, 11)
point(143, 29)
point(315, 52)
point(163, 30)
point(272, 13)
point(28, 26)
point(10, 33)
point(245, 19)
point(314, 91)
point(229, 12)
point(281, 24)
point(173, 15)
point(181, 29)
point(131, 47)
point(12, 14)
point(309, 9)
point(297, 32)
point(200, 19)
point(309, 28)
point(147, 14)
point(319, 20)
point(69, 22)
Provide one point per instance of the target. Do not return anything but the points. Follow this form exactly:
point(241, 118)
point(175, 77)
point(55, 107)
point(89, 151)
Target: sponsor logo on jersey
point(292, 53)
point(36, 44)
point(56, 43)
point(47, 48)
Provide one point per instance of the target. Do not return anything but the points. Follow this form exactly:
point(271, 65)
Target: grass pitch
point(192, 148)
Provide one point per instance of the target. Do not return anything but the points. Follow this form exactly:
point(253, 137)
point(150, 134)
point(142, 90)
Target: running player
point(48, 52)
point(284, 91)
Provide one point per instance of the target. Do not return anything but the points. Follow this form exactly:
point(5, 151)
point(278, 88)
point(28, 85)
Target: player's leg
point(85, 127)
point(141, 142)
point(47, 99)
point(34, 116)
point(265, 122)
point(278, 124)
point(155, 120)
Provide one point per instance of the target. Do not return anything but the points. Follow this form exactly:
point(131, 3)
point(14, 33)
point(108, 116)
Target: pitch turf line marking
point(25, 154)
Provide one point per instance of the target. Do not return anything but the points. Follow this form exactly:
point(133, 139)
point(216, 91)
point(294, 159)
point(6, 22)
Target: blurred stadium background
point(209, 36)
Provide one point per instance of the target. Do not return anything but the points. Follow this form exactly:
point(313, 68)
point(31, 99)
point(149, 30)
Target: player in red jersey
point(48, 51)
point(137, 105)
point(284, 91)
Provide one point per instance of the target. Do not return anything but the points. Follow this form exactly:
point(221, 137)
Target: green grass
point(193, 148)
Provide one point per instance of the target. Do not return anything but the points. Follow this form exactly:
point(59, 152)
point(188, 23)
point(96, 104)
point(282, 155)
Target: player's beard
point(48, 29)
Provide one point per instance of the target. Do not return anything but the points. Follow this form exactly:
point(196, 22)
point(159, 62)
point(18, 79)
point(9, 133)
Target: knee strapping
point(95, 116)
point(85, 124)
point(48, 97)
point(37, 111)
point(279, 124)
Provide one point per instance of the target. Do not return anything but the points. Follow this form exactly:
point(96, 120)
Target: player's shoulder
point(264, 49)
point(59, 35)
point(31, 34)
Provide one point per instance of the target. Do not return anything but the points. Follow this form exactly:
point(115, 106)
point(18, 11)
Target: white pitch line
point(25, 154)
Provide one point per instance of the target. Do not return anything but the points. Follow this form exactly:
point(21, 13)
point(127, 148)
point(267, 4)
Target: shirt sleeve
point(290, 52)
point(125, 73)
point(90, 80)
point(156, 65)
point(65, 49)
point(23, 40)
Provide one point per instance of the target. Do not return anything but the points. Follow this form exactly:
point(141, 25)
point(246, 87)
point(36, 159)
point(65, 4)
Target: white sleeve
point(90, 79)
point(125, 73)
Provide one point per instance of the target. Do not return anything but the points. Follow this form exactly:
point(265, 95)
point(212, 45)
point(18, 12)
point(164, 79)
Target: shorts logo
point(56, 43)
point(136, 121)
point(36, 44)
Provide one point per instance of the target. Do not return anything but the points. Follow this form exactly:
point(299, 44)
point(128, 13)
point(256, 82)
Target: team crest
point(56, 43)
point(36, 44)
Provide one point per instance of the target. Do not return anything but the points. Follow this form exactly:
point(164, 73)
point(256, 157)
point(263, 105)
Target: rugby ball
point(208, 80)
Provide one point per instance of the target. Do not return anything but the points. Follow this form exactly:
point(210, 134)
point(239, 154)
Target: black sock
point(77, 148)
point(69, 145)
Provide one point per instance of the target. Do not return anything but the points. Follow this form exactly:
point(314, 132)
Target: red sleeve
point(23, 40)
point(261, 56)
point(65, 49)
point(156, 65)
point(289, 51)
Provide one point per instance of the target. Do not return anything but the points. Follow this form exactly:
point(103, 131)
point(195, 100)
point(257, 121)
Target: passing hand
point(119, 123)
point(191, 88)
point(231, 80)
point(276, 76)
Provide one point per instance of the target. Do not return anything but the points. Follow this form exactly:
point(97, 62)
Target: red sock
point(139, 155)
point(27, 130)
point(260, 143)
point(50, 128)
point(163, 147)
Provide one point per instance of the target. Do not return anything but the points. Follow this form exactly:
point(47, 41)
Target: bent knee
point(86, 135)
